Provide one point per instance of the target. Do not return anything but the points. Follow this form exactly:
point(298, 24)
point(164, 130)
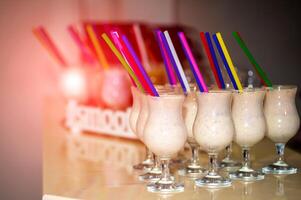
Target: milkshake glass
point(193, 168)
point(133, 119)
point(249, 124)
point(213, 130)
point(165, 134)
point(282, 124)
point(154, 172)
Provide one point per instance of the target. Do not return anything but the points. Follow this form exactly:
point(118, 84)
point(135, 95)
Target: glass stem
point(165, 176)
point(229, 152)
point(195, 156)
point(149, 154)
point(212, 164)
point(280, 152)
point(246, 164)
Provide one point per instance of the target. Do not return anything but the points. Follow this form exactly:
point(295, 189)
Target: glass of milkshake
point(154, 172)
point(213, 130)
point(249, 124)
point(283, 122)
point(165, 134)
point(193, 168)
point(133, 119)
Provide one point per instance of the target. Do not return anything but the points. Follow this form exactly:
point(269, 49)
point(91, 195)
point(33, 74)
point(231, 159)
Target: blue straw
point(173, 62)
point(213, 55)
point(219, 48)
point(141, 68)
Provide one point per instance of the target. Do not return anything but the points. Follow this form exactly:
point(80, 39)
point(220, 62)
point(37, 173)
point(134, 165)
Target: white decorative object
point(103, 121)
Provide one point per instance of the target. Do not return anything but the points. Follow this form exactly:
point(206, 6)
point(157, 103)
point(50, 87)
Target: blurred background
point(270, 28)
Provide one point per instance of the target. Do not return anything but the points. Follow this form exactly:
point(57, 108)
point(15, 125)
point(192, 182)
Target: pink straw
point(191, 59)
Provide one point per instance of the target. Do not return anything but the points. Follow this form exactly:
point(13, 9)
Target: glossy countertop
point(93, 166)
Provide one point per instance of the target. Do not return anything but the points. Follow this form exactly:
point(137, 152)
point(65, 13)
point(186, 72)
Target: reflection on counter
point(116, 152)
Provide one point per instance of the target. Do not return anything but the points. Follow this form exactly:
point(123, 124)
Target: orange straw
point(99, 51)
point(48, 44)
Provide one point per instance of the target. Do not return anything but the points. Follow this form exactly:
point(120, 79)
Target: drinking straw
point(193, 65)
point(229, 60)
point(99, 51)
point(175, 61)
point(264, 79)
point(219, 49)
point(168, 68)
point(206, 40)
point(41, 34)
point(122, 60)
point(141, 46)
point(86, 52)
point(130, 60)
point(141, 68)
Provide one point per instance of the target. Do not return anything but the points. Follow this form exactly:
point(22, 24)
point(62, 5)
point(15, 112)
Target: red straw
point(52, 47)
point(86, 52)
point(129, 58)
point(204, 41)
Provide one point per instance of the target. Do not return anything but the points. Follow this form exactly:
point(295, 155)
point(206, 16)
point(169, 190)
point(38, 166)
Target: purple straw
point(141, 68)
point(168, 68)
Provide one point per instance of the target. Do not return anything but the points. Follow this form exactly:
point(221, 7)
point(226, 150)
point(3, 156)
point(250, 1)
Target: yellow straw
point(122, 60)
point(229, 60)
point(99, 52)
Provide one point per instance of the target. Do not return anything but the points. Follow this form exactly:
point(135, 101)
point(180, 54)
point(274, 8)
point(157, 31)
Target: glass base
point(192, 172)
point(145, 165)
point(246, 175)
point(213, 182)
point(165, 187)
point(152, 175)
point(229, 164)
point(279, 168)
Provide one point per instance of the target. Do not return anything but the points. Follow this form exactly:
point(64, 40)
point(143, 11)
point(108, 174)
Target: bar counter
point(90, 166)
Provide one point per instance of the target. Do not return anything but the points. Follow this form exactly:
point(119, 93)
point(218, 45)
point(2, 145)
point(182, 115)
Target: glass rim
point(281, 87)
point(215, 91)
point(249, 90)
point(171, 95)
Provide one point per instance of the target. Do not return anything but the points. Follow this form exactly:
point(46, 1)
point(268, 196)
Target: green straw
point(259, 70)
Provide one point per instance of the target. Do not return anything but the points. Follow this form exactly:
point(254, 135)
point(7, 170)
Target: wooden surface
point(92, 167)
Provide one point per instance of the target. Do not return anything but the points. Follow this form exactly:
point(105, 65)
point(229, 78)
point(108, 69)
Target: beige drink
point(190, 108)
point(282, 124)
point(165, 134)
point(213, 130)
point(249, 123)
point(135, 109)
point(137, 120)
point(213, 127)
point(248, 117)
point(165, 131)
point(281, 114)
point(142, 117)
point(193, 167)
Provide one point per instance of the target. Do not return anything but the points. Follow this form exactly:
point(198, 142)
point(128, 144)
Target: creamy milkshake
point(135, 109)
point(135, 121)
point(282, 124)
point(249, 124)
point(193, 167)
point(154, 171)
point(213, 130)
point(165, 134)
